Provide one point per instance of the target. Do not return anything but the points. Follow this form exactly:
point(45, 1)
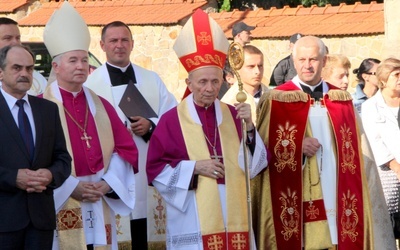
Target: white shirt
point(11, 102)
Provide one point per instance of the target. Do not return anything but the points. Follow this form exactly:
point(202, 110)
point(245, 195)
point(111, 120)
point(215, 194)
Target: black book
point(133, 103)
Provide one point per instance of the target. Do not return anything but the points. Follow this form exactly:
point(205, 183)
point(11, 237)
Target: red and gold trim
point(204, 54)
point(285, 138)
point(314, 210)
point(350, 194)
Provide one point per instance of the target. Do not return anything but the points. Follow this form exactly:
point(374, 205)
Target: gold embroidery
point(159, 214)
point(285, 147)
point(239, 241)
point(311, 211)
point(347, 150)
point(215, 242)
point(204, 38)
point(290, 216)
point(69, 219)
point(198, 59)
point(118, 224)
point(349, 218)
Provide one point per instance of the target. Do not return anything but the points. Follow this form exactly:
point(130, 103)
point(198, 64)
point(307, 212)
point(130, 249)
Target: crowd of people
point(305, 165)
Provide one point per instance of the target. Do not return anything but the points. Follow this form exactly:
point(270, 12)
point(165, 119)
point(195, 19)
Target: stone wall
point(356, 48)
point(153, 50)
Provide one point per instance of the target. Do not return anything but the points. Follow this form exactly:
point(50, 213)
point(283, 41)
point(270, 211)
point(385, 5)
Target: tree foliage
point(228, 5)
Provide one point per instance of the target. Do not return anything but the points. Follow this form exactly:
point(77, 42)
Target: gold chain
point(215, 138)
point(85, 137)
point(214, 147)
point(319, 174)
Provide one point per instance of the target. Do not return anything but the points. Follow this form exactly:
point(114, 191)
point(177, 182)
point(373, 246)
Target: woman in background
point(380, 120)
point(336, 70)
point(367, 81)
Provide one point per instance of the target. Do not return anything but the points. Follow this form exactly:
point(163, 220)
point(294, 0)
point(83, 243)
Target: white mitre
point(66, 31)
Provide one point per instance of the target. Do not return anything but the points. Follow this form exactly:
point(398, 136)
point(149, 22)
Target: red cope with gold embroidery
point(286, 133)
point(287, 206)
point(350, 192)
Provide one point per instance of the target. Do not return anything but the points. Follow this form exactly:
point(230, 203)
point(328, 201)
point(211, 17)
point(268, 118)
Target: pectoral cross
point(215, 156)
point(86, 138)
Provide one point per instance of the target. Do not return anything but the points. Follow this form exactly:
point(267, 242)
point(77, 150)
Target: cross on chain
point(215, 156)
point(86, 138)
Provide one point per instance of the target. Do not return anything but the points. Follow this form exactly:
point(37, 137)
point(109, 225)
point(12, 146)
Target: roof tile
point(323, 21)
point(9, 6)
point(289, 11)
point(273, 23)
point(137, 12)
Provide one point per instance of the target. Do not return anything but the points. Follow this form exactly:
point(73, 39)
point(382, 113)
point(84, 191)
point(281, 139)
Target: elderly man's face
point(205, 83)
point(308, 60)
point(73, 67)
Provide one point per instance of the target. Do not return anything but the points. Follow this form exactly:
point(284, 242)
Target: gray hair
point(322, 49)
point(4, 52)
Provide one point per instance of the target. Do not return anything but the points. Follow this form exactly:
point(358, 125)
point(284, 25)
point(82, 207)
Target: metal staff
point(236, 60)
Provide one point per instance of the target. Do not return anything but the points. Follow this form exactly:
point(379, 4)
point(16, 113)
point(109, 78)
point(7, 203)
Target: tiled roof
point(357, 19)
point(137, 12)
point(9, 6)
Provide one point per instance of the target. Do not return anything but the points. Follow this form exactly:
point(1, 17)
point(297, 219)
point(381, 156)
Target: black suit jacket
point(17, 207)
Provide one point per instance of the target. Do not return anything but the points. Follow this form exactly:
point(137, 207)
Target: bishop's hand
point(210, 168)
point(86, 192)
point(244, 112)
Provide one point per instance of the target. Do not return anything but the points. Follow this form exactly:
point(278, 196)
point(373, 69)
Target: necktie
point(316, 94)
point(25, 128)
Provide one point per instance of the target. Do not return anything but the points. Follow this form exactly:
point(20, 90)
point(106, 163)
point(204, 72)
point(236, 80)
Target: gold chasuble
point(69, 220)
point(208, 202)
point(288, 205)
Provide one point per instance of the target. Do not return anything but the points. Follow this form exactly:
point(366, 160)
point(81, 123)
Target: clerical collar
point(202, 107)
point(312, 87)
point(72, 92)
point(296, 80)
point(123, 69)
point(121, 75)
